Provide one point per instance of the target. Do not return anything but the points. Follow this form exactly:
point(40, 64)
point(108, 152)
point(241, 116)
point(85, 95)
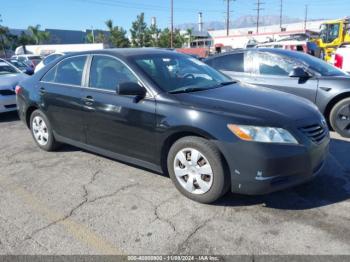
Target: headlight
point(262, 134)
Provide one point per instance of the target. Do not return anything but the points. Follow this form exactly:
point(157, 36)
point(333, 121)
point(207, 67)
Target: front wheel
point(197, 169)
point(340, 117)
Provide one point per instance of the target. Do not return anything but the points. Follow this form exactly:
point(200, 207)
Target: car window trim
point(149, 93)
point(56, 65)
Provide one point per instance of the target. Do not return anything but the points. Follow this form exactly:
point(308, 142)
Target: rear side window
point(51, 58)
point(107, 73)
point(232, 62)
point(69, 71)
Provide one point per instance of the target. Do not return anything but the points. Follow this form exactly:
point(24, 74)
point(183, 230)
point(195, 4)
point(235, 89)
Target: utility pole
point(281, 14)
point(228, 13)
point(306, 16)
point(172, 23)
point(258, 9)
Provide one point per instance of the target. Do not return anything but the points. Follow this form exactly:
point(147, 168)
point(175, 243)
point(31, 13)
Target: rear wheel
point(197, 169)
point(340, 117)
point(41, 131)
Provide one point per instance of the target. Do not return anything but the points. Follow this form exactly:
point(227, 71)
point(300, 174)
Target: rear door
point(60, 91)
point(272, 71)
point(119, 124)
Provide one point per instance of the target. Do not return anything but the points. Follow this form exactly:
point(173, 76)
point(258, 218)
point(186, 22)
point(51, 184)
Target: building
point(241, 37)
point(61, 36)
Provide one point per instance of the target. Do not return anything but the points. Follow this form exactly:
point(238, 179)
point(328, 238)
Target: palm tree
point(39, 36)
point(189, 34)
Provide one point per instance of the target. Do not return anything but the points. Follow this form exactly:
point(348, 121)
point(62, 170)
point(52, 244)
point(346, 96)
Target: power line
point(258, 10)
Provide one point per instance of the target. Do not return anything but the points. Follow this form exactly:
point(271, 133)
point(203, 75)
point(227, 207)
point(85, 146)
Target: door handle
point(42, 90)
point(89, 100)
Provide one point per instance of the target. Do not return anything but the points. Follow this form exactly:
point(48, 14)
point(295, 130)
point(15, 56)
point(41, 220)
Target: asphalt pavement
point(76, 202)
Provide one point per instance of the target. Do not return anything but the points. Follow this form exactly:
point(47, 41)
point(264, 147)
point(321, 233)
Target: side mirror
point(299, 72)
point(131, 89)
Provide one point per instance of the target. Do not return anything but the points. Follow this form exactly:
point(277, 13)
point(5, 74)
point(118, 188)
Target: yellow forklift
point(333, 34)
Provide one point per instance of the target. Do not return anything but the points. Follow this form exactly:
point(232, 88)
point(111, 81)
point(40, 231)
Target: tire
point(47, 141)
point(340, 117)
point(214, 183)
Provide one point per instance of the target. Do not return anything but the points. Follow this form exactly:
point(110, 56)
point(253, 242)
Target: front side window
point(69, 71)
point(179, 73)
point(107, 73)
point(274, 65)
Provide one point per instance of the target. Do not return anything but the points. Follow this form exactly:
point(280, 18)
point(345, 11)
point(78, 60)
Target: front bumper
point(261, 168)
point(7, 103)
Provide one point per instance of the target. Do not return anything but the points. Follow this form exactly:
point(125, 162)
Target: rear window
point(69, 71)
point(232, 62)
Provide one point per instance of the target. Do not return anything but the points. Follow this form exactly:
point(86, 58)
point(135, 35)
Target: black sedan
point(296, 73)
point(174, 114)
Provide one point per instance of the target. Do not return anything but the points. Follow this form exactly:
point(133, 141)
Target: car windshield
point(318, 65)
point(19, 64)
point(176, 73)
point(7, 69)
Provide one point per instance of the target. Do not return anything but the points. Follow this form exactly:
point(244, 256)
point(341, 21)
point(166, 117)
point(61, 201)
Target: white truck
point(341, 58)
point(45, 50)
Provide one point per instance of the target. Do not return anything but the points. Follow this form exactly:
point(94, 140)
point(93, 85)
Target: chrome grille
point(315, 132)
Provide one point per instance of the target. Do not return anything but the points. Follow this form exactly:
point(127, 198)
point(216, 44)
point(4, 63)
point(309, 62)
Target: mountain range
point(241, 22)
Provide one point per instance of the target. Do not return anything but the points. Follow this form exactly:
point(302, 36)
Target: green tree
point(118, 36)
point(101, 38)
point(38, 36)
point(189, 35)
point(154, 33)
point(24, 40)
point(4, 37)
point(164, 39)
point(140, 34)
point(89, 37)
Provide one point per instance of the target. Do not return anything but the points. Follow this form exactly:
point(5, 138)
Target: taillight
point(18, 89)
point(338, 61)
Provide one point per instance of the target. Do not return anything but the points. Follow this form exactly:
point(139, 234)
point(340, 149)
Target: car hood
point(247, 103)
point(11, 80)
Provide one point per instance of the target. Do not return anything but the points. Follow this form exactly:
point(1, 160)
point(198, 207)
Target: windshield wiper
point(187, 90)
point(227, 83)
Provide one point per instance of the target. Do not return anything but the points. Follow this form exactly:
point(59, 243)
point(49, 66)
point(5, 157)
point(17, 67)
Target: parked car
point(341, 58)
point(296, 73)
point(31, 60)
point(22, 66)
point(10, 76)
point(47, 60)
point(172, 113)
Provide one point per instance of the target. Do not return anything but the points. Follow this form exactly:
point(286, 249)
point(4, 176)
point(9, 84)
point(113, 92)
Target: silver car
point(10, 76)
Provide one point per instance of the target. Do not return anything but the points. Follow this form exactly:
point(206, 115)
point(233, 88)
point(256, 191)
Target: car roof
point(279, 51)
point(127, 52)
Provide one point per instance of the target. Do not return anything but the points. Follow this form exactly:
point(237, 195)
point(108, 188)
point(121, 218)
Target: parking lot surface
point(76, 202)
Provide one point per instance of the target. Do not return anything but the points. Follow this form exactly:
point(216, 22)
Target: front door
point(272, 71)
point(120, 124)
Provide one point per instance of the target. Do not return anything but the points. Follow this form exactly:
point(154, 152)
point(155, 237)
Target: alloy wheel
point(343, 118)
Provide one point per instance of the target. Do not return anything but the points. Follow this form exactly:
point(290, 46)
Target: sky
point(84, 14)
